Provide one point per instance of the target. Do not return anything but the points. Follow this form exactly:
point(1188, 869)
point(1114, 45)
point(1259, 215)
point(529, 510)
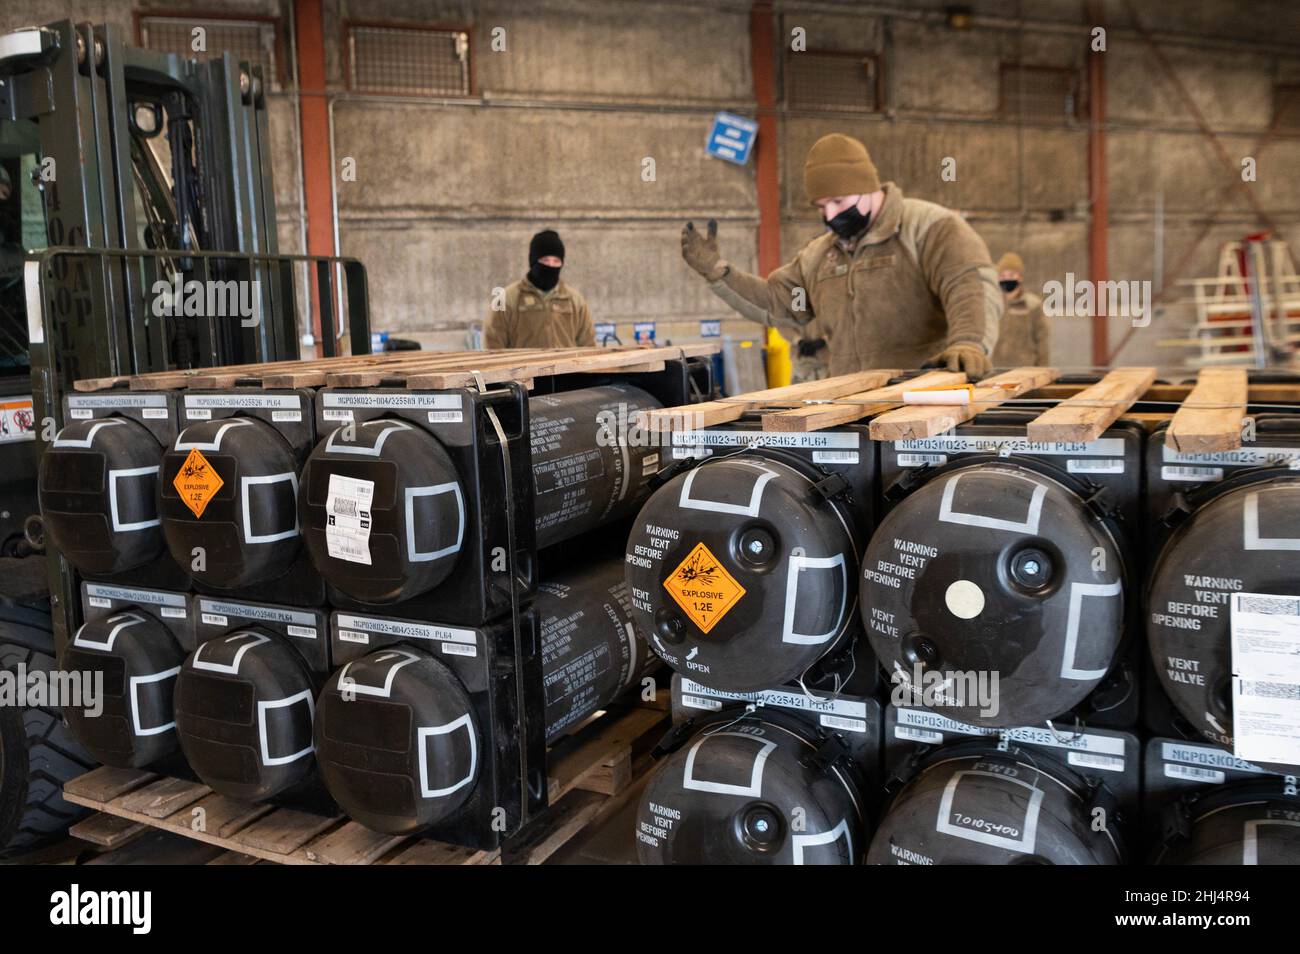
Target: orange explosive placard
point(197, 482)
point(703, 588)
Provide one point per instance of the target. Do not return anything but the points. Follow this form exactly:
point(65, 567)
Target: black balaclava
point(850, 223)
point(1009, 284)
point(547, 242)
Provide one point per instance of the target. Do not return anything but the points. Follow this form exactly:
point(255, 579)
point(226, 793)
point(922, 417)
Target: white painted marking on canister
point(964, 599)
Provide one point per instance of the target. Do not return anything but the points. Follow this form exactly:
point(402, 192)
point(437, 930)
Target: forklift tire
point(37, 751)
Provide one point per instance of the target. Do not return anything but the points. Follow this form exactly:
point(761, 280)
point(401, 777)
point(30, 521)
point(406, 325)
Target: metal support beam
point(1098, 189)
point(314, 122)
point(767, 161)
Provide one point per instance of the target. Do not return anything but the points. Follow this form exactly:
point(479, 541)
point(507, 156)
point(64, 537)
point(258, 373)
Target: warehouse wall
point(448, 192)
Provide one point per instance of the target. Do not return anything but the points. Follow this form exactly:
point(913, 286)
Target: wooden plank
point(165, 797)
point(234, 858)
point(284, 831)
point(1086, 415)
point(591, 761)
point(107, 831)
point(224, 816)
point(1210, 417)
point(106, 783)
point(352, 844)
point(709, 413)
point(853, 407)
point(437, 853)
point(927, 420)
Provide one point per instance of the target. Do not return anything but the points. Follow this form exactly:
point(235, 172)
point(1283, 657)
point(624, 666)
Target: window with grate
point(832, 81)
point(409, 61)
point(1286, 107)
point(1040, 92)
point(256, 41)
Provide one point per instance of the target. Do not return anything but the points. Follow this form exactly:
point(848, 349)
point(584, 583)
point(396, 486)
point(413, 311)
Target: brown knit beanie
point(838, 165)
point(1011, 262)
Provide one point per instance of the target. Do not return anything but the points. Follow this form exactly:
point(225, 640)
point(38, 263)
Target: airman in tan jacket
point(540, 310)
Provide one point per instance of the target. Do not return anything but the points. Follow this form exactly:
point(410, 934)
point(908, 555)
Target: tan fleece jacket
point(532, 318)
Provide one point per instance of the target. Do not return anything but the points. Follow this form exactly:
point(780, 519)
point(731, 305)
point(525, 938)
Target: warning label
point(197, 482)
point(703, 588)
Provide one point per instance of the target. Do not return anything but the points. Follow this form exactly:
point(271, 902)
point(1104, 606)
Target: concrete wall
point(560, 123)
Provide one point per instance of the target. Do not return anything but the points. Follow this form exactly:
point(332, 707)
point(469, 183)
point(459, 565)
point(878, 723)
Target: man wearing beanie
point(541, 311)
point(1025, 337)
point(894, 282)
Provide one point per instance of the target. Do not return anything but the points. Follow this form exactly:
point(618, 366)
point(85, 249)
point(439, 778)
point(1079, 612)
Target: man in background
point(1026, 338)
point(893, 283)
point(540, 310)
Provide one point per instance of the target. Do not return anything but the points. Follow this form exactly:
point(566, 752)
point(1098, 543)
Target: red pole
point(1098, 190)
point(767, 167)
point(314, 112)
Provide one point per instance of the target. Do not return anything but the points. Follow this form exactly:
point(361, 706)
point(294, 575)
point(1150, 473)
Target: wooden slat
point(437, 853)
point(854, 407)
point(284, 831)
point(927, 420)
point(352, 844)
point(709, 413)
point(234, 858)
point(1086, 415)
point(107, 783)
point(165, 797)
point(107, 831)
point(1210, 417)
point(591, 762)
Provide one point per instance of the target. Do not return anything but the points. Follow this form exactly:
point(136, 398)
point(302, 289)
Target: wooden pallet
point(418, 370)
point(588, 772)
point(1207, 416)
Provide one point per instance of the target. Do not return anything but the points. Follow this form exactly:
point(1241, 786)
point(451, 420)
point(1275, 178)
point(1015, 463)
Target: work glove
point(810, 346)
point(701, 253)
point(962, 357)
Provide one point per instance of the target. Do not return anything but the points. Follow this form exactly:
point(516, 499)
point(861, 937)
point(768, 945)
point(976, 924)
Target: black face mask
point(849, 223)
point(544, 277)
point(1009, 285)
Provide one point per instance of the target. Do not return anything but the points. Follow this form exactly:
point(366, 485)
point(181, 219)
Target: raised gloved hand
point(962, 357)
point(701, 252)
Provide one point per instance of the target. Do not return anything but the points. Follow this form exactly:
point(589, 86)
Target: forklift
point(122, 171)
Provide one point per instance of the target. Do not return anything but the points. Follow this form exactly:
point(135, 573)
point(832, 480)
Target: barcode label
point(1103, 465)
point(835, 457)
point(154, 413)
point(336, 414)
point(198, 413)
point(304, 632)
point(100, 602)
point(80, 413)
point(920, 460)
point(699, 702)
point(459, 649)
point(847, 725)
point(1191, 773)
point(1270, 690)
point(908, 734)
point(173, 612)
point(214, 619)
point(346, 506)
point(445, 417)
point(352, 636)
point(1269, 605)
point(286, 415)
point(347, 516)
point(1194, 474)
point(1109, 763)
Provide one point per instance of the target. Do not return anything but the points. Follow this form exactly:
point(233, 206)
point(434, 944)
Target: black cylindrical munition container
point(228, 500)
point(399, 741)
point(244, 705)
point(751, 791)
point(1234, 562)
point(741, 571)
point(1250, 823)
point(974, 805)
point(995, 570)
point(98, 489)
point(383, 508)
point(139, 660)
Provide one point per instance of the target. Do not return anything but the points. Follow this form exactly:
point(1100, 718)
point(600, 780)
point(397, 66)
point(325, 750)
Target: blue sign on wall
point(604, 330)
point(732, 137)
point(710, 328)
point(644, 330)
